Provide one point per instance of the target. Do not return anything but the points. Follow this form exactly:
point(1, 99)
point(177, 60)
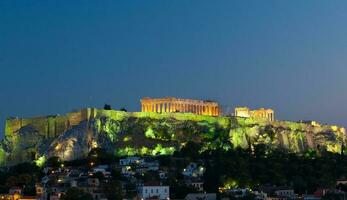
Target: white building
point(260, 195)
point(238, 192)
point(196, 183)
point(152, 166)
point(311, 197)
point(131, 160)
point(199, 196)
point(285, 192)
point(102, 169)
point(341, 182)
point(158, 191)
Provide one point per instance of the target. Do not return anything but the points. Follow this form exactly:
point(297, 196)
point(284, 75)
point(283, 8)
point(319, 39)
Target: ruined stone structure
point(261, 113)
point(50, 126)
point(170, 104)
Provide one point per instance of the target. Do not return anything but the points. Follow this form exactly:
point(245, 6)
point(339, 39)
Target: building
point(261, 113)
point(171, 104)
point(341, 182)
point(277, 192)
point(195, 183)
point(200, 196)
point(311, 197)
point(153, 191)
point(285, 192)
point(237, 192)
point(131, 160)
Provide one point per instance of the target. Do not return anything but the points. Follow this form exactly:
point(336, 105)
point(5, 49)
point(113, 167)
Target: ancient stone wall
point(50, 126)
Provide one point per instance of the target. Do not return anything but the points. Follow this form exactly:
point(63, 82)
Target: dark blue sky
point(56, 56)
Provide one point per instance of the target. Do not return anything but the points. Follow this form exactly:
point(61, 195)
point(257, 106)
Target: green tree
point(107, 107)
point(333, 196)
point(53, 162)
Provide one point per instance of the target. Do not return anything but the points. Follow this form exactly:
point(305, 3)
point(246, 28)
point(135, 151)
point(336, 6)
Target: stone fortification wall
point(50, 126)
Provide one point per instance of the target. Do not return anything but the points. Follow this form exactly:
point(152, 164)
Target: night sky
point(59, 56)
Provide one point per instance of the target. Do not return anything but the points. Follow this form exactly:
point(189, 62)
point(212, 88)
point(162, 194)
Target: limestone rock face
point(126, 134)
point(73, 144)
point(20, 147)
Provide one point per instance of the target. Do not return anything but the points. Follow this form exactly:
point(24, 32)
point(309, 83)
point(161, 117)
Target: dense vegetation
point(239, 167)
point(23, 174)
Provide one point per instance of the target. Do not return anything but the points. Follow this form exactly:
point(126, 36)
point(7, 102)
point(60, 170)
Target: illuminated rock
point(146, 133)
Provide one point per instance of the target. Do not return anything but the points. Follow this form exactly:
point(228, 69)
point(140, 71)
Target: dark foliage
point(76, 194)
point(107, 107)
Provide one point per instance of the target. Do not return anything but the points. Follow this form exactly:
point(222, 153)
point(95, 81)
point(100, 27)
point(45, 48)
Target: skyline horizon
point(223, 113)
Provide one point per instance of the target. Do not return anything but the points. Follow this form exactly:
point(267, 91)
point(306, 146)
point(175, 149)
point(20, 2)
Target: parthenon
point(171, 104)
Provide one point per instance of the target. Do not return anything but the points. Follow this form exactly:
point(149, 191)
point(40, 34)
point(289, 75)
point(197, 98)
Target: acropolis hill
point(73, 135)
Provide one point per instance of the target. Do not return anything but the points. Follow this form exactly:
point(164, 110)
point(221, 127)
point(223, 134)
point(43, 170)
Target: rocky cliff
point(72, 136)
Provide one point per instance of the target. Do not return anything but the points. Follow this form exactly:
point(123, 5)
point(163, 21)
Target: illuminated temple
point(263, 113)
point(170, 104)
